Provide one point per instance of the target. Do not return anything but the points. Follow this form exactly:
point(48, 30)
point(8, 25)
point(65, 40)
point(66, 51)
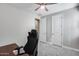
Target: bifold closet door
point(57, 29)
point(48, 28)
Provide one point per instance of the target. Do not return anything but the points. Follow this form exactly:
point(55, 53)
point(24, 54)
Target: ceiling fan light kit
point(42, 6)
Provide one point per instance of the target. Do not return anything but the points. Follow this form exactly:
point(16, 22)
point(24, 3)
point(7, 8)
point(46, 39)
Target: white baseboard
point(66, 47)
point(70, 48)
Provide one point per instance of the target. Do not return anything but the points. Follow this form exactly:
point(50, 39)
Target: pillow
point(15, 52)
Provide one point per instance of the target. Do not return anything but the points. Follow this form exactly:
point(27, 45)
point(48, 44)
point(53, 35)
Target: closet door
point(48, 28)
point(57, 29)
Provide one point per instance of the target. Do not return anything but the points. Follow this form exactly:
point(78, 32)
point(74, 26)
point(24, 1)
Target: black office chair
point(31, 45)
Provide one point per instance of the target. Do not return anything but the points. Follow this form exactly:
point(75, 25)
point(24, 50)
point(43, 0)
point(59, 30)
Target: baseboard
point(55, 45)
point(70, 48)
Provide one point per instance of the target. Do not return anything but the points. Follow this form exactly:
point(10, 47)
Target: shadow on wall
point(75, 43)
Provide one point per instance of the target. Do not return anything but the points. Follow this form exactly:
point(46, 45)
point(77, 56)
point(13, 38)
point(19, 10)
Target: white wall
point(14, 24)
point(71, 28)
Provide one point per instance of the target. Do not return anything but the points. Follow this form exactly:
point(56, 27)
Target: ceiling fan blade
point(45, 3)
point(38, 3)
point(37, 8)
point(46, 9)
point(49, 3)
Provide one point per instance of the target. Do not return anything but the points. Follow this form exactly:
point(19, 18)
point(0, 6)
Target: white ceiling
point(23, 6)
point(52, 8)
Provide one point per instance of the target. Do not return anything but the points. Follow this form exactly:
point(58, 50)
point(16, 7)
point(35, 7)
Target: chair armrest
point(18, 48)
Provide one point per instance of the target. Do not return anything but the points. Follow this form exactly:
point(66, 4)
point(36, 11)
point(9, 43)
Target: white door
point(57, 29)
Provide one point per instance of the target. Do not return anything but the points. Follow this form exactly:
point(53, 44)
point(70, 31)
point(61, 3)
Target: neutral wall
point(14, 25)
point(71, 28)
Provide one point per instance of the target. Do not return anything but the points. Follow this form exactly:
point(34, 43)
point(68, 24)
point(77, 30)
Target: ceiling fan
point(43, 6)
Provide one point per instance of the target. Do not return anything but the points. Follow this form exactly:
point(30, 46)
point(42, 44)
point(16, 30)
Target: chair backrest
point(34, 33)
point(32, 42)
